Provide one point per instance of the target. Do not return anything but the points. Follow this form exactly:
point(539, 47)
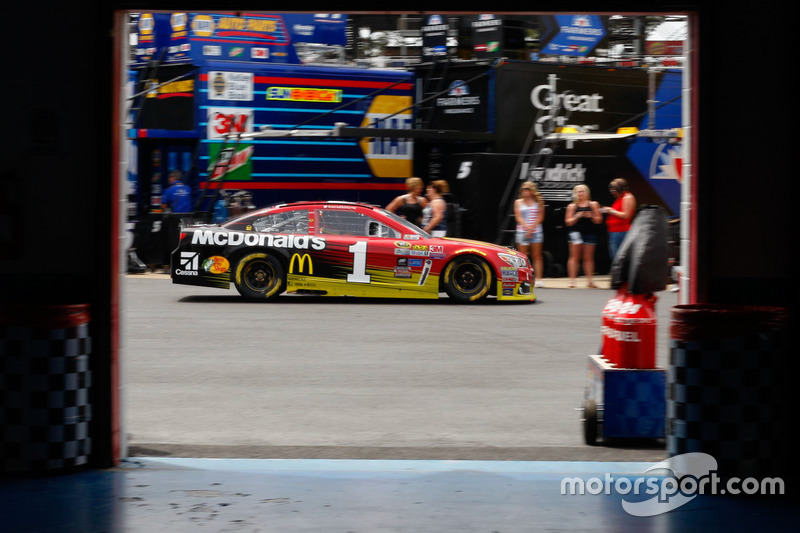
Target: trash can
point(723, 386)
point(44, 387)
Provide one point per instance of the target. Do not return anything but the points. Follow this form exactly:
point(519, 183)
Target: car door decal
point(359, 274)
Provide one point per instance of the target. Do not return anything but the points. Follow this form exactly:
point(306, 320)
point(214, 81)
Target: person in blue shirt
point(178, 197)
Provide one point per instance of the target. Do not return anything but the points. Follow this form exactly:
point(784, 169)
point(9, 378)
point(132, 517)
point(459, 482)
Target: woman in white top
point(529, 214)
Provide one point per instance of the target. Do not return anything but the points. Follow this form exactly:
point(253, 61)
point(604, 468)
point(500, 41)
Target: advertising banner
point(487, 36)
point(465, 106)
point(591, 100)
point(572, 35)
point(248, 37)
point(434, 38)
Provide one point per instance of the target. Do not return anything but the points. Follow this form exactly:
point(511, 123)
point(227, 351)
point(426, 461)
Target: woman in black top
point(582, 218)
point(411, 204)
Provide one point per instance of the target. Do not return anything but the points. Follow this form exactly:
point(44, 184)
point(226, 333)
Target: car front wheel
point(467, 279)
point(259, 276)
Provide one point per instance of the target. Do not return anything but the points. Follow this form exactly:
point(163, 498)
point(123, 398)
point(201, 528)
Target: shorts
point(576, 237)
point(535, 238)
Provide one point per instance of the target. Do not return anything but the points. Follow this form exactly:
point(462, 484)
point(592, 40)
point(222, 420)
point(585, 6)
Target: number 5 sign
point(225, 120)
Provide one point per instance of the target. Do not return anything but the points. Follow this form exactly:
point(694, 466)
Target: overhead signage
point(434, 37)
point(252, 37)
point(572, 35)
point(487, 36)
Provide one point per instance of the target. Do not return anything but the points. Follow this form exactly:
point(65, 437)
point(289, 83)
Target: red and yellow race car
point(344, 249)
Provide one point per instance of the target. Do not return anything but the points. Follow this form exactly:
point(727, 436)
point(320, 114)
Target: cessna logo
point(301, 264)
point(300, 242)
point(189, 264)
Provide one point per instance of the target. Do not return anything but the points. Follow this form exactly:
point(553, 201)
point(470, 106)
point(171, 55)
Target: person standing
point(582, 218)
point(619, 215)
point(434, 215)
point(178, 196)
point(529, 214)
point(411, 204)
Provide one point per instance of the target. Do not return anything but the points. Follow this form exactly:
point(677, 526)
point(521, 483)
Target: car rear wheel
point(259, 276)
point(467, 279)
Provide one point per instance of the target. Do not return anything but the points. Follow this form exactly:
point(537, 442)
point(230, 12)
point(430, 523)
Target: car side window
point(351, 223)
point(284, 222)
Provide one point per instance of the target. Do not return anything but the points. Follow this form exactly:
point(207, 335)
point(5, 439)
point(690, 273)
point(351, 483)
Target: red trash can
point(45, 381)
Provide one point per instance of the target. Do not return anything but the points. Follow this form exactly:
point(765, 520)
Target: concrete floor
point(286, 495)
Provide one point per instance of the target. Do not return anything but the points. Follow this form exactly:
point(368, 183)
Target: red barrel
point(610, 347)
point(634, 328)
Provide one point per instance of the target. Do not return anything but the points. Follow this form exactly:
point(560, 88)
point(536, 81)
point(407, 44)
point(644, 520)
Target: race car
point(344, 249)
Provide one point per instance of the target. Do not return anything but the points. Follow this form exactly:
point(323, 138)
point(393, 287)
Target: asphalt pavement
point(207, 374)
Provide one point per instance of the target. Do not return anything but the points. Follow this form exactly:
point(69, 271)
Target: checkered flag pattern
point(634, 403)
point(44, 397)
point(721, 400)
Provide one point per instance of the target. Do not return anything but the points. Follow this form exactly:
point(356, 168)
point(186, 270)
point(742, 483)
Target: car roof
point(321, 203)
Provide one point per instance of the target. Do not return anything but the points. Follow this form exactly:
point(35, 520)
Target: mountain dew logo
point(388, 157)
point(232, 165)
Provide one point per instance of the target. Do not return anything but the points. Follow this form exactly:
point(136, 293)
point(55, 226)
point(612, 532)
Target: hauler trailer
point(201, 79)
point(559, 126)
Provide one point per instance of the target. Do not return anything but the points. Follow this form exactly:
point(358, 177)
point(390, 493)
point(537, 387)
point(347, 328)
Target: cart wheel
point(590, 422)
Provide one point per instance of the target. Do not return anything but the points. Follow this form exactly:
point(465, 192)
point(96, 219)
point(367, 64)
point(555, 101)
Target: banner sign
point(434, 38)
point(487, 36)
point(572, 35)
point(252, 37)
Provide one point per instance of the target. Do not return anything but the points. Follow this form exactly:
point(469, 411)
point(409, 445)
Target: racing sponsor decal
point(509, 273)
point(402, 272)
point(188, 264)
point(301, 260)
point(388, 157)
point(230, 161)
point(425, 271)
point(203, 25)
point(304, 94)
point(235, 238)
point(225, 120)
point(231, 86)
point(216, 264)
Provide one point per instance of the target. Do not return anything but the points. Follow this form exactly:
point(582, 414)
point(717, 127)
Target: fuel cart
point(625, 395)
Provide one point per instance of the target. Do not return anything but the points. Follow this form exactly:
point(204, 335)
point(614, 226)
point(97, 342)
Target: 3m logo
point(301, 263)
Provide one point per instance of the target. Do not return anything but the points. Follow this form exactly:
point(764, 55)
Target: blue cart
point(623, 403)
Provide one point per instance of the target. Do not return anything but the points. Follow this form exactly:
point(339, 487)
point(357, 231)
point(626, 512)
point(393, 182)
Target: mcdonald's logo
point(301, 262)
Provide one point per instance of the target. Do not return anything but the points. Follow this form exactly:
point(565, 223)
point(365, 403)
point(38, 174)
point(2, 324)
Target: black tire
point(590, 422)
point(467, 278)
point(259, 276)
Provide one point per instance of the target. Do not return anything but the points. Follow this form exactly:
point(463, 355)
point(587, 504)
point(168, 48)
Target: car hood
point(468, 242)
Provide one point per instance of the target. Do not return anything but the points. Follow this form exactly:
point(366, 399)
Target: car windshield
point(296, 221)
